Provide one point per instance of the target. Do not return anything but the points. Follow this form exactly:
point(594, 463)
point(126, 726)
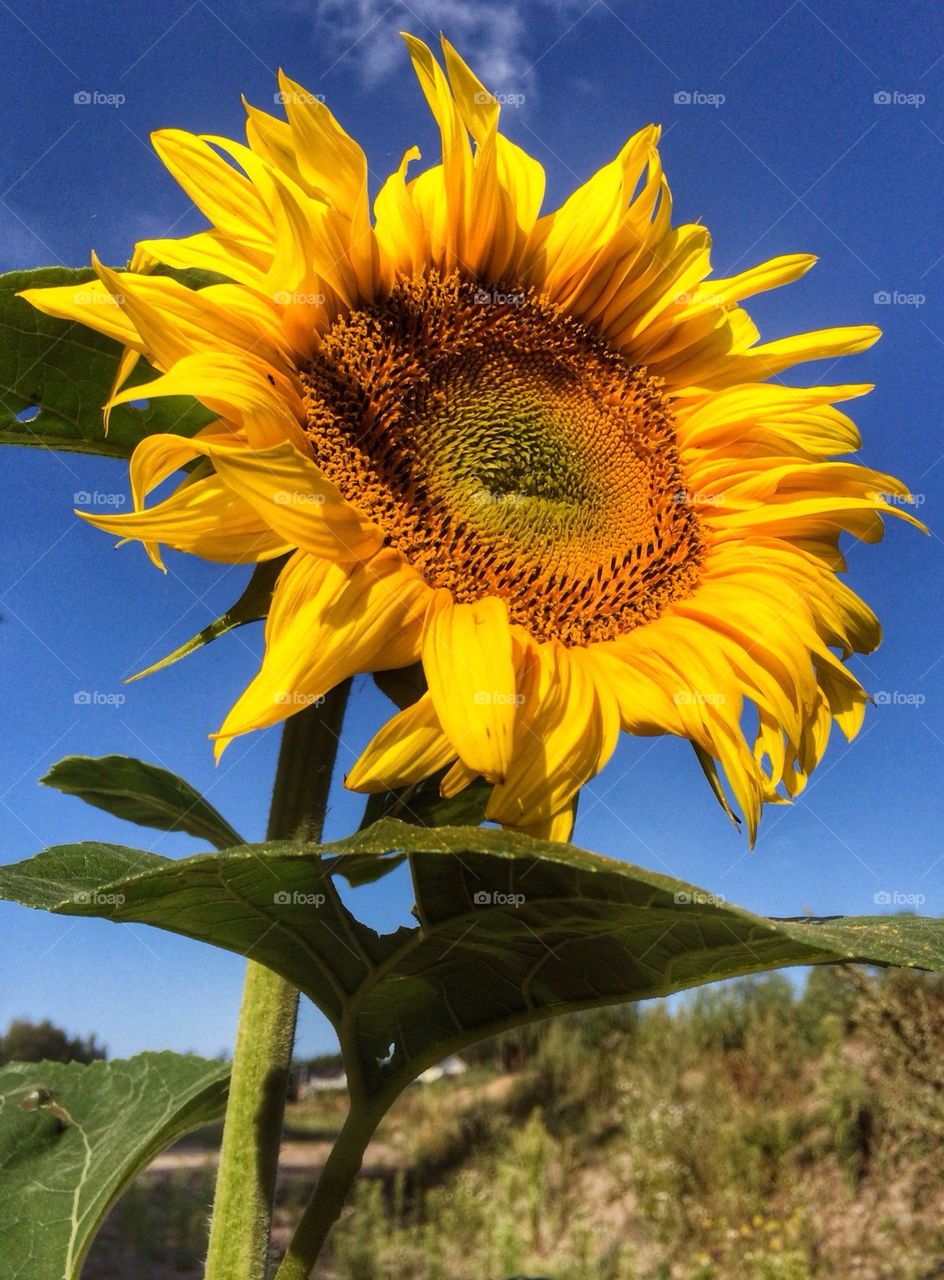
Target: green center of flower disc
point(505, 450)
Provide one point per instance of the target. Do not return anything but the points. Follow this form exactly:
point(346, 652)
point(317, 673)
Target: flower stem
point(334, 1183)
point(245, 1189)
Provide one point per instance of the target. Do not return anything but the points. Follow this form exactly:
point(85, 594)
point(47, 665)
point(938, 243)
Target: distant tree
point(27, 1041)
point(511, 1051)
point(826, 1008)
point(902, 1014)
point(725, 1014)
point(325, 1064)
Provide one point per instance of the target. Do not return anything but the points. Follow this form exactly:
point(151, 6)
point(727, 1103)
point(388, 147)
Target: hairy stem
point(239, 1234)
point(245, 1189)
point(331, 1192)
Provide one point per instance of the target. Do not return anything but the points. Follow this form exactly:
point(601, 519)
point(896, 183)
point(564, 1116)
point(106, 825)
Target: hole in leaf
point(29, 414)
point(384, 905)
point(139, 404)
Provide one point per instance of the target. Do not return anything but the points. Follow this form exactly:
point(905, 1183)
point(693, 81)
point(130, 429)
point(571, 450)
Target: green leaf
point(64, 372)
point(72, 1136)
point(142, 793)
point(252, 606)
point(421, 805)
point(710, 769)
point(509, 930)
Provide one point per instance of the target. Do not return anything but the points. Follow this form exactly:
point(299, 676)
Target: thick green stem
point(245, 1189)
point(334, 1184)
point(306, 766)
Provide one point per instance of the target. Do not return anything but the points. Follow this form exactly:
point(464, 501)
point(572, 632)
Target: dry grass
point(750, 1134)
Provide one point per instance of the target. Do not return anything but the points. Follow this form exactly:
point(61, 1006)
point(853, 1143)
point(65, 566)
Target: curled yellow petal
point(467, 657)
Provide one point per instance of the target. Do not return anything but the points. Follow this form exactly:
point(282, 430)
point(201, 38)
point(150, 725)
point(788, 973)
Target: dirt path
point(294, 1155)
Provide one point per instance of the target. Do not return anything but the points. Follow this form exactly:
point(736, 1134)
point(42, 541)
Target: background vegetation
point(754, 1130)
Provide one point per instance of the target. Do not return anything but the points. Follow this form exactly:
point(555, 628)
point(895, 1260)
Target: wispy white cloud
point(500, 39)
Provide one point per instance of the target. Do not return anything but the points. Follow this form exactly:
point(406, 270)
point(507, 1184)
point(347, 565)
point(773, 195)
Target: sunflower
point(540, 454)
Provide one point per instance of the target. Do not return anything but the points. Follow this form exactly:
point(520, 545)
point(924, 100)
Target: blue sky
point(788, 127)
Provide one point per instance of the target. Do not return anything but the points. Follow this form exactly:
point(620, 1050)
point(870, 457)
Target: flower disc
point(505, 450)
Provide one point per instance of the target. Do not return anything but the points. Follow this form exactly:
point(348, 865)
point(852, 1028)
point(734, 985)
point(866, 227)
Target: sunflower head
point(541, 454)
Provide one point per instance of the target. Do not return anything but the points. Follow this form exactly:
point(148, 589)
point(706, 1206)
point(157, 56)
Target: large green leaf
point(421, 805)
point(72, 1136)
point(509, 930)
point(143, 793)
point(55, 376)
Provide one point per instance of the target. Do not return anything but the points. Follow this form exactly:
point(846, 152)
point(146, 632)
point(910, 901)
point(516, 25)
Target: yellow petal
point(467, 657)
point(272, 140)
point(210, 251)
point(559, 739)
point(691, 298)
point(296, 501)
point(507, 183)
point(449, 217)
point(159, 456)
point(456, 779)
point(91, 304)
point(400, 230)
point(247, 391)
point(328, 622)
point(312, 246)
point(766, 360)
point(409, 747)
point(202, 517)
point(174, 321)
point(568, 238)
point(556, 827)
point(327, 157)
point(227, 197)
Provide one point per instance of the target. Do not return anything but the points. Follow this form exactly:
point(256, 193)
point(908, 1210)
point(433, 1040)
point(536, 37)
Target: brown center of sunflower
point(505, 450)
